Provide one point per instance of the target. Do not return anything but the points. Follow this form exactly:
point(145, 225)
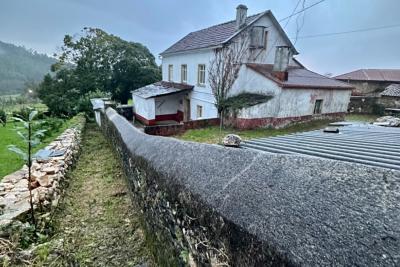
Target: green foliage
point(3, 118)
point(94, 65)
point(52, 125)
point(22, 113)
point(378, 109)
point(244, 100)
point(30, 134)
point(85, 106)
point(17, 65)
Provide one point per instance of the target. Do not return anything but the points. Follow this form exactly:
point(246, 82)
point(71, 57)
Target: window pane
point(170, 73)
point(201, 74)
point(184, 73)
point(199, 111)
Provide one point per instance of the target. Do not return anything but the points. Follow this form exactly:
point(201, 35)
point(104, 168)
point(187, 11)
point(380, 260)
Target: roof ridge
point(230, 21)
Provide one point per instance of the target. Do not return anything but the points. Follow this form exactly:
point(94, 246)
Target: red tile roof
point(299, 77)
point(384, 75)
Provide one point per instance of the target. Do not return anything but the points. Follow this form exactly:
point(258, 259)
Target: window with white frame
point(201, 74)
point(170, 72)
point(199, 111)
point(184, 73)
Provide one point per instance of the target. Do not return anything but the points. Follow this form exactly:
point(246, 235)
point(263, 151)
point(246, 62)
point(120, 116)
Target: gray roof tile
point(392, 90)
point(207, 37)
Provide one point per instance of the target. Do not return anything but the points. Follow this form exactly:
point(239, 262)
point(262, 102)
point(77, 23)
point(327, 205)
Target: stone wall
point(47, 177)
point(207, 205)
point(390, 101)
point(362, 104)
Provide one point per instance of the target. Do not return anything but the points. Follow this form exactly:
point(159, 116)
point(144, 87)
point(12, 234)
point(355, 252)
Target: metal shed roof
point(365, 144)
point(161, 88)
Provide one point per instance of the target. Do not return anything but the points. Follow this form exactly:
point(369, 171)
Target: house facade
point(268, 68)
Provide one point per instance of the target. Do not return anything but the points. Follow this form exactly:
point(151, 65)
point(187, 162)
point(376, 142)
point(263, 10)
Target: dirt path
point(96, 224)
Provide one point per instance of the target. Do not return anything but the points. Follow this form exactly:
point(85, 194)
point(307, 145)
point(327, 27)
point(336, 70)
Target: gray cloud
point(41, 25)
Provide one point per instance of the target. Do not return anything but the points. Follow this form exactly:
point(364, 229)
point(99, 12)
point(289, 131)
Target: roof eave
point(304, 86)
point(190, 50)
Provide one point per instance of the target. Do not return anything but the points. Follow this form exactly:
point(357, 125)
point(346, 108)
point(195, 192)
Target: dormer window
point(257, 37)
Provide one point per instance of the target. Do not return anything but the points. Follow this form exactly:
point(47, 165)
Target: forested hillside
point(19, 65)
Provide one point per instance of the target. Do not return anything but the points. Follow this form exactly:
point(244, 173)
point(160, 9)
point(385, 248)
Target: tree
point(60, 93)
point(107, 63)
point(224, 69)
point(32, 138)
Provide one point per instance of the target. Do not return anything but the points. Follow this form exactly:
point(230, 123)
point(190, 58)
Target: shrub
point(378, 109)
point(52, 125)
point(23, 113)
point(3, 117)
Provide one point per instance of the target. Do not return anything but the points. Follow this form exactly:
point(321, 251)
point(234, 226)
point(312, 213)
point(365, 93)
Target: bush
point(378, 109)
point(23, 113)
point(3, 117)
point(51, 125)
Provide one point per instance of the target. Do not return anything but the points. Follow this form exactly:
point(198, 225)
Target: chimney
point(282, 57)
point(241, 14)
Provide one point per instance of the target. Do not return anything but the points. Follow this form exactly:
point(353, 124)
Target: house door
point(186, 109)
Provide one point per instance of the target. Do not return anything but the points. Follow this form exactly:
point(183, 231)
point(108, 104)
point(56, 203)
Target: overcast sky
point(41, 25)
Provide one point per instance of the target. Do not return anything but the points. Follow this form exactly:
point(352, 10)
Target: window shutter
point(257, 37)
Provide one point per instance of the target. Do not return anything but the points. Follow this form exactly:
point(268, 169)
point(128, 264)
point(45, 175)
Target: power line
point(302, 10)
point(347, 32)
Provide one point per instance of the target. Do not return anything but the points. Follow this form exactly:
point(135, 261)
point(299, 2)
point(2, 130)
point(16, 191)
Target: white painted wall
point(250, 81)
point(144, 107)
point(299, 102)
point(274, 38)
point(201, 95)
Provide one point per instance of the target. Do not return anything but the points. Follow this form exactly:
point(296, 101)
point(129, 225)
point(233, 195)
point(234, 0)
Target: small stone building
point(370, 82)
point(390, 97)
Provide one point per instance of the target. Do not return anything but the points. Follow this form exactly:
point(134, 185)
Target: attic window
point(257, 37)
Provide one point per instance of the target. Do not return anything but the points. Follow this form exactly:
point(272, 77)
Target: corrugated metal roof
point(386, 75)
point(365, 144)
point(300, 78)
point(161, 88)
point(392, 90)
point(219, 34)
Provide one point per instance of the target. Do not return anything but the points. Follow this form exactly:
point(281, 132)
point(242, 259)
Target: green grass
point(211, 135)
point(362, 117)
point(15, 107)
point(96, 220)
point(9, 161)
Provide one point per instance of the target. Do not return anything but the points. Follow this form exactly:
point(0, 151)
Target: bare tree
point(224, 68)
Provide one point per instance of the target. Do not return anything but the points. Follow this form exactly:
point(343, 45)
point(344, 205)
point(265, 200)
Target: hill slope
point(19, 65)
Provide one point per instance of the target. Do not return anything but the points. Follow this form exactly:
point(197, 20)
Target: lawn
point(9, 161)
point(211, 134)
point(362, 117)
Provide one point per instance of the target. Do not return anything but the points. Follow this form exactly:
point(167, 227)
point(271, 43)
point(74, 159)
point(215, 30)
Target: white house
point(268, 68)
